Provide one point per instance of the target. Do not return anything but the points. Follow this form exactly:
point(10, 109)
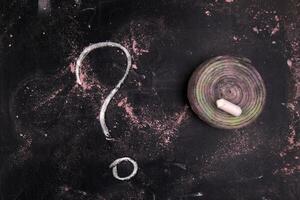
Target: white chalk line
point(107, 100)
point(114, 164)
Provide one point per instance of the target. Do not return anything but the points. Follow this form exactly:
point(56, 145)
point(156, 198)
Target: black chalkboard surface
point(53, 146)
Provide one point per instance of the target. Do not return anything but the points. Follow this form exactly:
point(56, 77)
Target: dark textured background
point(51, 143)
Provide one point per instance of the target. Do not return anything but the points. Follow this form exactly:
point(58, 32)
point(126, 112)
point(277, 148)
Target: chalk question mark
point(107, 100)
point(84, 53)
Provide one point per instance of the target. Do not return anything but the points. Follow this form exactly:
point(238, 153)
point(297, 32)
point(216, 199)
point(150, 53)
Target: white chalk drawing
point(84, 53)
point(79, 61)
point(114, 164)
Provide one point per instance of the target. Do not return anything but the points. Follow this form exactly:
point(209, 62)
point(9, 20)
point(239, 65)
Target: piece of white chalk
point(229, 107)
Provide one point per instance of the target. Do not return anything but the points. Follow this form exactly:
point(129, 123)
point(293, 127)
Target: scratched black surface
point(72, 161)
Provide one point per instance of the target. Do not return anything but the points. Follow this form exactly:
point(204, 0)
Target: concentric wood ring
point(233, 79)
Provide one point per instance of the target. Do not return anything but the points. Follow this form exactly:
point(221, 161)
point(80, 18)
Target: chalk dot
point(235, 38)
point(208, 13)
point(289, 63)
point(255, 29)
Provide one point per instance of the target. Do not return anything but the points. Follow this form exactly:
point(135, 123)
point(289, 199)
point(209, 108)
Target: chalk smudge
point(290, 152)
point(165, 127)
point(44, 6)
point(129, 110)
point(198, 194)
point(275, 29)
point(138, 35)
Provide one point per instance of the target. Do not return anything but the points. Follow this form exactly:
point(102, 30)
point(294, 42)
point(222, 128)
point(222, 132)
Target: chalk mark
point(107, 100)
point(114, 164)
point(197, 194)
point(44, 6)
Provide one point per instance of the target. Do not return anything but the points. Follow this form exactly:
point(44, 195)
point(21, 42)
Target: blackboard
point(52, 145)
